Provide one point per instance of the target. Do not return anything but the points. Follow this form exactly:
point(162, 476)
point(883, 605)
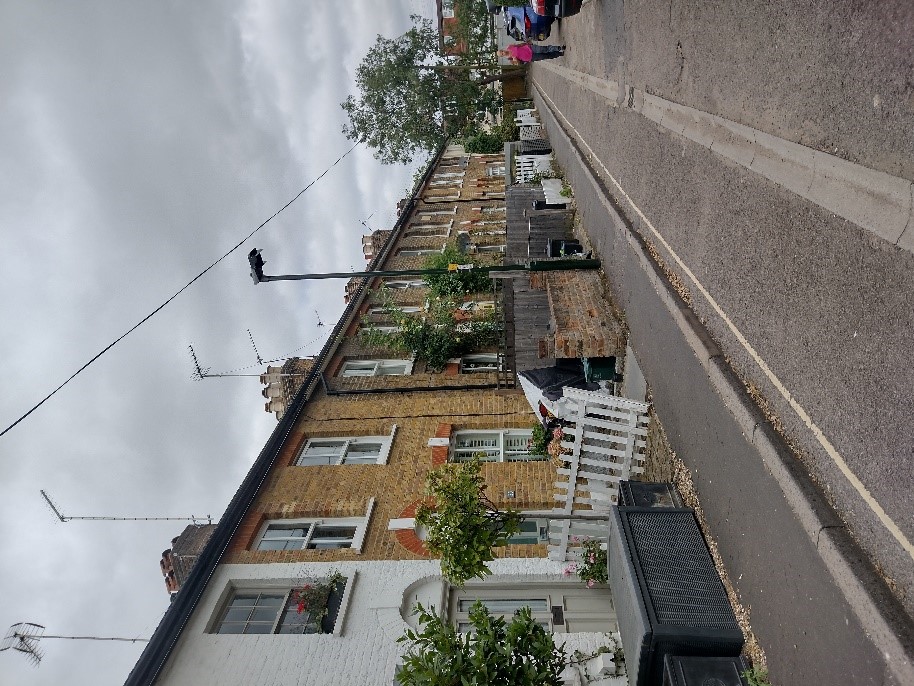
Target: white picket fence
point(607, 438)
point(527, 167)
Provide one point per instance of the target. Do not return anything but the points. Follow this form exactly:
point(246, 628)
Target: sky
point(139, 142)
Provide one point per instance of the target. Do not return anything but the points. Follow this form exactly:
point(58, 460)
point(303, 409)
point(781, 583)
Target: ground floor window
point(282, 611)
point(493, 445)
point(557, 607)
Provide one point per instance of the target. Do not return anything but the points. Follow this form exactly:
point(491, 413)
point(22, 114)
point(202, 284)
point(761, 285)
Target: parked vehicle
point(556, 8)
point(523, 24)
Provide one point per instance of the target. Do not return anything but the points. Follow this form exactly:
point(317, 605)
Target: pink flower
point(557, 433)
point(590, 583)
point(593, 558)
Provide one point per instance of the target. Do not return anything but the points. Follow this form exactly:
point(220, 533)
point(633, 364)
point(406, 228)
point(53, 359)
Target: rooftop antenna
point(201, 373)
point(24, 637)
point(259, 358)
point(66, 518)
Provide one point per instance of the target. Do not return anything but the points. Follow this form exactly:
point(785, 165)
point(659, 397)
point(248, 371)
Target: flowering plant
point(555, 449)
point(313, 597)
point(591, 567)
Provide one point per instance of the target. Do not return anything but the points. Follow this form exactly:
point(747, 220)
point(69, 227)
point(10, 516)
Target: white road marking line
point(830, 449)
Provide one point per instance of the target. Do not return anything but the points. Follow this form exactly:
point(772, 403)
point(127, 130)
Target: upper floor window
point(345, 450)
point(382, 328)
point(403, 284)
point(376, 368)
point(406, 309)
point(493, 445)
point(417, 252)
point(490, 248)
point(429, 231)
point(303, 535)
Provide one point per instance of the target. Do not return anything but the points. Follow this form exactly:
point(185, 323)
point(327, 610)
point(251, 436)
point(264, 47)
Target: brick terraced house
point(329, 502)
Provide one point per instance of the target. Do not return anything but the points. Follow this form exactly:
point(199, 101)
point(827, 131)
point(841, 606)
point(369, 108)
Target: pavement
point(821, 611)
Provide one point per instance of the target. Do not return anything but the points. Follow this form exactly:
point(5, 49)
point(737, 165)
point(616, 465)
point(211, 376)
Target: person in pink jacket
point(523, 53)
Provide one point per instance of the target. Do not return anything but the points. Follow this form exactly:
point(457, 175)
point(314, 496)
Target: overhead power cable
point(181, 290)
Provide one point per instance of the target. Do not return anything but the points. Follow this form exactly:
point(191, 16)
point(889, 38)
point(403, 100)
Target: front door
point(560, 608)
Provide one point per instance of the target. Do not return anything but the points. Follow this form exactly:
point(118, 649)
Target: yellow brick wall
point(345, 490)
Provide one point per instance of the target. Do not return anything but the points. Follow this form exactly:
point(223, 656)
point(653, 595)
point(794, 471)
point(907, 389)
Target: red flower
point(301, 607)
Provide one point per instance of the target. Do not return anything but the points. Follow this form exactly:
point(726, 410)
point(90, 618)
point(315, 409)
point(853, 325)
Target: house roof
point(153, 658)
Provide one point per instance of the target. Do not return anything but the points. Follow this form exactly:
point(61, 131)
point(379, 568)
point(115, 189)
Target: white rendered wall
point(366, 653)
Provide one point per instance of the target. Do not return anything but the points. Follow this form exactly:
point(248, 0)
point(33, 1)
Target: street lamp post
point(257, 262)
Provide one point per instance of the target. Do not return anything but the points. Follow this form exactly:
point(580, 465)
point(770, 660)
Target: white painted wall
point(366, 652)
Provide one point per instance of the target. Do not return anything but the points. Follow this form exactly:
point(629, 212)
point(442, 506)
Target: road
point(767, 152)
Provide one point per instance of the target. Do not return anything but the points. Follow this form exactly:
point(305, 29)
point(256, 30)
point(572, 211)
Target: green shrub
point(457, 284)
point(484, 143)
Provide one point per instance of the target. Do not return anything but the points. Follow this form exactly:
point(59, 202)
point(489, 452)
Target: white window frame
point(274, 587)
point(356, 368)
point(495, 170)
point(406, 309)
point(383, 328)
point(345, 444)
point(431, 231)
point(490, 248)
point(417, 252)
point(355, 543)
point(426, 215)
point(491, 362)
point(403, 284)
point(464, 453)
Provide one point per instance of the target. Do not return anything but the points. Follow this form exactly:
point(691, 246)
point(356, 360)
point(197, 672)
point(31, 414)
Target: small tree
point(462, 524)
point(495, 651)
point(411, 98)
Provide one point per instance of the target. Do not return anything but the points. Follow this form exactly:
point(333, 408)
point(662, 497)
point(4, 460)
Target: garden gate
point(606, 435)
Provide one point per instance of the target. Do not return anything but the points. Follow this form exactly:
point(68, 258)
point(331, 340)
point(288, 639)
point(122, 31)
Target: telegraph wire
point(179, 292)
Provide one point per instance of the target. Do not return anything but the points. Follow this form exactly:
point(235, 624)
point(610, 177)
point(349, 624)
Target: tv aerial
point(65, 518)
point(24, 637)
